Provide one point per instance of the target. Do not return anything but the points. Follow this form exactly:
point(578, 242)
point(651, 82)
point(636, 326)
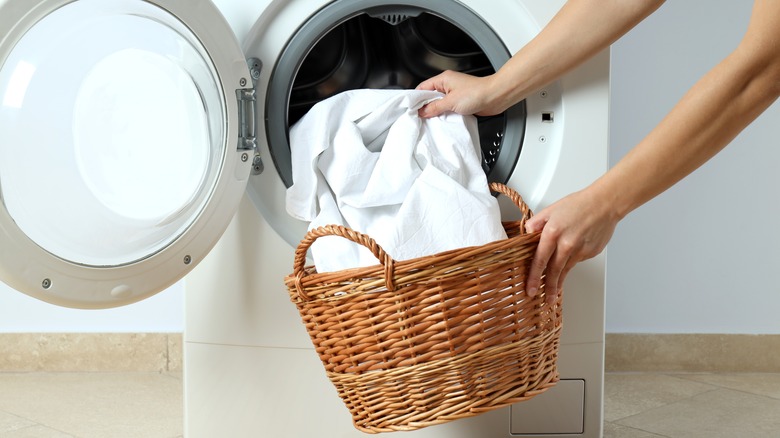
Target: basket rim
point(312, 276)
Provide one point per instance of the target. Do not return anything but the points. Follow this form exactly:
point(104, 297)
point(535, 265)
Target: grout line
point(35, 423)
point(710, 388)
point(726, 387)
point(689, 399)
point(637, 430)
point(167, 352)
point(276, 347)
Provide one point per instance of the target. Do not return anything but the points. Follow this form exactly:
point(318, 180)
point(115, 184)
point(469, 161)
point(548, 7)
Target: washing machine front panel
point(237, 306)
point(312, 50)
point(121, 154)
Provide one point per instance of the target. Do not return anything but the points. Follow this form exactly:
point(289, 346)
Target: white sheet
point(366, 160)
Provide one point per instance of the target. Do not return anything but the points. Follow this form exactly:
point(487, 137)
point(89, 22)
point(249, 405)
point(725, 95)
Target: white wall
point(163, 313)
point(700, 258)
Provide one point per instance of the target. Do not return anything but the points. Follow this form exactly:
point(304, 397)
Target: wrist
point(498, 93)
point(614, 201)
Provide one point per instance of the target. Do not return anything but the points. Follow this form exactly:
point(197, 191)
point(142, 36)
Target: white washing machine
point(130, 131)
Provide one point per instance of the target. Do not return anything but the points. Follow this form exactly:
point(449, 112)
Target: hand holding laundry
point(365, 159)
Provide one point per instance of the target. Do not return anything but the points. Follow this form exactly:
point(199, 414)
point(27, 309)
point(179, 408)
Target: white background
point(700, 258)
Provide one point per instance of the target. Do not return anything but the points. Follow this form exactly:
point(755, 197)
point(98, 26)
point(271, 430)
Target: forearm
point(578, 31)
point(707, 118)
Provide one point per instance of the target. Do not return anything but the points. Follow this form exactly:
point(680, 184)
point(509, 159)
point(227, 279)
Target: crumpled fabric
point(366, 160)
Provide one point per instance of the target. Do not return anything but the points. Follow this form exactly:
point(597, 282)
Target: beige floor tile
point(10, 422)
point(754, 383)
point(96, 404)
point(632, 393)
point(612, 430)
point(37, 431)
point(722, 413)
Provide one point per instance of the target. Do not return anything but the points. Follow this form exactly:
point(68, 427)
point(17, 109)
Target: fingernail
point(532, 292)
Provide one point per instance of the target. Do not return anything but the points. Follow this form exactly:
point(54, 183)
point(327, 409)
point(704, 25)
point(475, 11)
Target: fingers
point(551, 262)
point(429, 84)
point(542, 256)
point(443, 83)
point(554, 264)
point(536, 223)
point(572, 230)
point(554, 278)
point(553, 259)
point(433, 109)
point(437, 83)
point(552, 296)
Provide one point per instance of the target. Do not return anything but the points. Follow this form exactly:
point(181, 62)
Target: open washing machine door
point(126, 142)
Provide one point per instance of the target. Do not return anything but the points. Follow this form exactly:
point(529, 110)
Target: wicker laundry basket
point(409, 344)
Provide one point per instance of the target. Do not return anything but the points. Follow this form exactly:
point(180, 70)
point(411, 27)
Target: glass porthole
point(111, 133)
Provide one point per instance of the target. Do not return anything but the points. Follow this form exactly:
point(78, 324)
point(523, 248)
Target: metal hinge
point(247, 136)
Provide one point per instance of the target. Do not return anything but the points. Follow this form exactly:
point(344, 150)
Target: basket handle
point(516, 199)
point(385, 260)
point(339, 230)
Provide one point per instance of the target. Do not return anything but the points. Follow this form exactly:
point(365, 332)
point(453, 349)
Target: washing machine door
point(123, 154)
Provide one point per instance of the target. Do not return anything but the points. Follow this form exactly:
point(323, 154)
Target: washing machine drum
point(127, 133)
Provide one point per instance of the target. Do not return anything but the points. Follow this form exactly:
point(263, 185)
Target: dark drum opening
point(387, 47)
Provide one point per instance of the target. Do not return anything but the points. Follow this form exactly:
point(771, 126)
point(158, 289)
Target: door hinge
point(247, 136)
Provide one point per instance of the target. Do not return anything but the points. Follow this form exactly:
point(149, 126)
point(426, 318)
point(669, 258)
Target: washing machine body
point(250, 369)
point(134, 133)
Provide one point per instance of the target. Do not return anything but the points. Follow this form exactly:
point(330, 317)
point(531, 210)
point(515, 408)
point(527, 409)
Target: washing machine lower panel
point(297, 400)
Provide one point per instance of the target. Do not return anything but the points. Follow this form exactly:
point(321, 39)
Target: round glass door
point(115, 140)
point(106, 154)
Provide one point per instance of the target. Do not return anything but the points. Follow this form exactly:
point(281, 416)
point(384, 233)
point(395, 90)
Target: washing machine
point(141, 143)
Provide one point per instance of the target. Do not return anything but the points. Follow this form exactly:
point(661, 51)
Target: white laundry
point(366, 160)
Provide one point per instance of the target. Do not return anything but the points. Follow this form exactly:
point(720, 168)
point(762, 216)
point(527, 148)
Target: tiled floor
point(133, 405)
point(86, 405)
point(692, 405)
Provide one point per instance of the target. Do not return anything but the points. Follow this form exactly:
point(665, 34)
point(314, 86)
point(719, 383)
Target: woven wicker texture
point(413, 343)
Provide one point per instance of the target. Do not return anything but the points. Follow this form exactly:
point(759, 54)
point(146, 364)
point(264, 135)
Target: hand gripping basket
point(414, 343)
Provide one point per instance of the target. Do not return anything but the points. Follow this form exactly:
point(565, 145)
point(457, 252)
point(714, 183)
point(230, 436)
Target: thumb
point(434, 108)
point(535, 224)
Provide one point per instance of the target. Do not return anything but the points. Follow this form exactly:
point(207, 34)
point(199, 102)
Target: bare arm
point(708, 117)
point(578, 31)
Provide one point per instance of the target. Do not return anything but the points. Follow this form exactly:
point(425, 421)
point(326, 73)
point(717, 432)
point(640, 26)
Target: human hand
point(574, 229)
point(463, 94)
